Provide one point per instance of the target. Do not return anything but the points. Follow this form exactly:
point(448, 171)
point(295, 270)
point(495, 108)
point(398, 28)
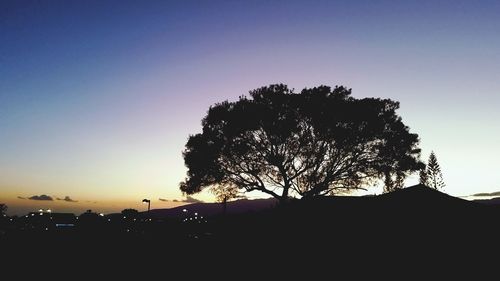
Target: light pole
point(149, 203)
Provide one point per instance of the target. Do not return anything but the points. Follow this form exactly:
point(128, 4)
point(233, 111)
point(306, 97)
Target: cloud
point(20, 197)
point(487, 194)
point(67, 199)
point(190, 199)
point(42, 197)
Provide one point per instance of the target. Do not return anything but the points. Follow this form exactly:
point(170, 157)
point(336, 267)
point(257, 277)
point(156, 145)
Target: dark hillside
point(393, 228)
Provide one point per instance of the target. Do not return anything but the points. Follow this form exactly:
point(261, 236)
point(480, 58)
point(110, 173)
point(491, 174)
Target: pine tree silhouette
point(434, 175)
point(424, 179)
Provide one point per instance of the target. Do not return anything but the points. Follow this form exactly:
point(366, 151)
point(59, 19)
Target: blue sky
point(97, 98)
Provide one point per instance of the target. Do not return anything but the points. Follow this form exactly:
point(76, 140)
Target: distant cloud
point(487, 194)
point(67, 199)
point(20, 197)
point(42, 197)
point(190, 199)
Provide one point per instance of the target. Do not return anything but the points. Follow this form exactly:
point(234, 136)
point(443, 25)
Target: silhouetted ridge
point(418, 194)
point(491, 202)
point(415, 219)
point(412, 222)
point(211, 209)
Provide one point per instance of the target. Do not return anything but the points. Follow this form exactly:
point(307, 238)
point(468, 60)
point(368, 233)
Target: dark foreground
point(417, 230)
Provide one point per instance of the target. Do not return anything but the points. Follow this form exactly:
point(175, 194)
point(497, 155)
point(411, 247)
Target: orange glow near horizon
point(22, 206)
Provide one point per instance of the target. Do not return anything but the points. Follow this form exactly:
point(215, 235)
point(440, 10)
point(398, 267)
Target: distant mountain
point(422, 195)
point(485, 194)
point(415, 201)
point(492, 201)
point(415, 197)
point(210, 209)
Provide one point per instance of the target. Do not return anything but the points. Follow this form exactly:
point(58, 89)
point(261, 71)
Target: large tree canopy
point(316, 142)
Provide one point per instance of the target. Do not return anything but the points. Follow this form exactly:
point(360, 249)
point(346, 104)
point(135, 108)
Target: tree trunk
point(283, 200)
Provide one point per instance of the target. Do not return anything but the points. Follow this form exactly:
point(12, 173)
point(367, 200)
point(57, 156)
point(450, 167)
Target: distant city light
point(101, 214)
point(41, 210)
point(184, 210)
point(49, 210)
point(64, 225)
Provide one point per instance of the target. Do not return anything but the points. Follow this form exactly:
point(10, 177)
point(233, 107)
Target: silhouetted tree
point(225, 193)
point(3, 215)
point(130, 213)
point(3, 209)
point(318, 142)
point(433, 171)
point(89, 219)
point(423, 178)
point(394, 182)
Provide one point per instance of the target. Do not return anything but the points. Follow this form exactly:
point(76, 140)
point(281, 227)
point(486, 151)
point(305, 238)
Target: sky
point(98, 98)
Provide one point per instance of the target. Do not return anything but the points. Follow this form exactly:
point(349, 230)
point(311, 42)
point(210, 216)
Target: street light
point(147, 201)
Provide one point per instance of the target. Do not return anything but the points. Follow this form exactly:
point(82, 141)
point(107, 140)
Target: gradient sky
point(97, 98)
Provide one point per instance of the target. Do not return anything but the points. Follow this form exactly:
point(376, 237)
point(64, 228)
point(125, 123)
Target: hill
point(417, 214)
point(492, 201)
point(415, 224)
point(211, 209)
